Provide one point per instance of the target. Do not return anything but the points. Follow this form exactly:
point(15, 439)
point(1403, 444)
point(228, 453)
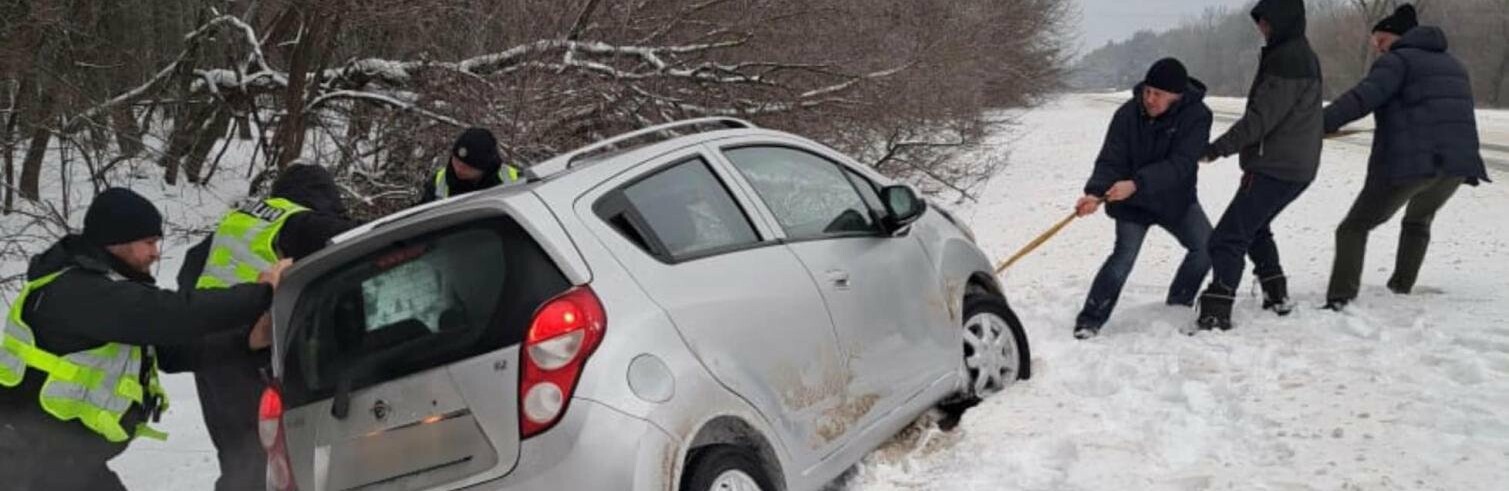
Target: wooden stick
point(1036, 242)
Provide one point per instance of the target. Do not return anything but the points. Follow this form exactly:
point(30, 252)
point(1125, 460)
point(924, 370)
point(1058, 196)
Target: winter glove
point(1210, 155)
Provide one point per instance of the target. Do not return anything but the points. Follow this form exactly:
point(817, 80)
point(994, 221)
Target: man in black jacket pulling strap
point(1279, 139)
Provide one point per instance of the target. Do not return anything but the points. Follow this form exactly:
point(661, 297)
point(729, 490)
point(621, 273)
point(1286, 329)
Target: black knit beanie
point(1401, 22)
point(1168, 75)
point(478, 148)
point(118, 216)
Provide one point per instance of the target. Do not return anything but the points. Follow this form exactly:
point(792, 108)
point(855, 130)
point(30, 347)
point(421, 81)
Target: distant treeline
point(1221, 47)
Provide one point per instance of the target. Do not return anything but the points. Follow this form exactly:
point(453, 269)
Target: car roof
point(586, 167)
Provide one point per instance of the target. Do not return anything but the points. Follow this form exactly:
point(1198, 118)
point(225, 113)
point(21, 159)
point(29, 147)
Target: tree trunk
point(181, 142)
point(290, 139)
point(216, 126)
point(31, 168)
point(8, 142)
point(128, 134)
point(10, 175)
point(63, 175)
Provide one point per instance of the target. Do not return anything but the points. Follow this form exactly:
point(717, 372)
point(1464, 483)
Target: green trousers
point(1379, 201)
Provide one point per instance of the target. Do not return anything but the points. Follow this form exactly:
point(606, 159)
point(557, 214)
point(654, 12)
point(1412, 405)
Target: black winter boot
point(1276, 295)
point(1215, 308)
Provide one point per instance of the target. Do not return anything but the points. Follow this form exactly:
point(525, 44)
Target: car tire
point(725, 468)
point(988, 323)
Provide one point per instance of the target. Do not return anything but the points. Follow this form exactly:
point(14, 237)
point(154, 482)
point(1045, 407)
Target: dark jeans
point(1378, 203)
point(1244, 230)
point(1192, 232)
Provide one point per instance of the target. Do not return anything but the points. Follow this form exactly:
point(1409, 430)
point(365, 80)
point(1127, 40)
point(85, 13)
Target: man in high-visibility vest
point(302, 213)
point(78, 368)
point(474, 165)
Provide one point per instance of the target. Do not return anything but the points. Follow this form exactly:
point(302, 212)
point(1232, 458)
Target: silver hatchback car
point(721, 308)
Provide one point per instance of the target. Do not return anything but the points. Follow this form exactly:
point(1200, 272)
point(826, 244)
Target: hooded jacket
point(225, 371)
point(1160, 154)
point(1280, 133)
point(1421, 98)
point(90, 305)
point(303, 234)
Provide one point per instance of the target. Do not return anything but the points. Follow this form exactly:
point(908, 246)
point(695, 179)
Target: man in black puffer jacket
point(226, 373)
point(1426, 146)
point(1279, 138)
point(1147, 170)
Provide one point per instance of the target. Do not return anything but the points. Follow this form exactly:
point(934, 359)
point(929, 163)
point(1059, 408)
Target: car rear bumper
point(594, 447)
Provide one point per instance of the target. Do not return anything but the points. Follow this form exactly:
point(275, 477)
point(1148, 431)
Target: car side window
point(678, 213)
point(809, 195)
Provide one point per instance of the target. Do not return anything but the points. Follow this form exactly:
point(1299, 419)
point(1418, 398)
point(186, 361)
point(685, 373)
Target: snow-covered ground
point(1399, 392)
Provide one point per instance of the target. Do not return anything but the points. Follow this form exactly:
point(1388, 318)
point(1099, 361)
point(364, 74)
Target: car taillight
point(562, 335)
point(270, 432)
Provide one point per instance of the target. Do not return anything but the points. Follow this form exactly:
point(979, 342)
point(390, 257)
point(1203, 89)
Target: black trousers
point(1244, 230)
point(229, 394)
point(41, 453)
point(1379, 201)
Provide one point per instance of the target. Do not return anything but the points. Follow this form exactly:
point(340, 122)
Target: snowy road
point(1398, 393)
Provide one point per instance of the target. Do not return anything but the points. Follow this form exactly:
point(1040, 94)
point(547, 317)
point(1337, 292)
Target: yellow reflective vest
point(507, 175)
point(243, 245)
point(94, 387)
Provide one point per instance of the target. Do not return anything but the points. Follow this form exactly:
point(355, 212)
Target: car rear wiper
point(444, 341)
point(340, 407)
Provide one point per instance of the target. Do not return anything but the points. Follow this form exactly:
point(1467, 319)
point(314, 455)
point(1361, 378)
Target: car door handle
point(839, 279)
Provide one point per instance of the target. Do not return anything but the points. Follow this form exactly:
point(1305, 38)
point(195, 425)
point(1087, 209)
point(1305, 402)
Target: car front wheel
point(996, 354)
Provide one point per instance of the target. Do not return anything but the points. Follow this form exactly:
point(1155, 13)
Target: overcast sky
point(1115, 20)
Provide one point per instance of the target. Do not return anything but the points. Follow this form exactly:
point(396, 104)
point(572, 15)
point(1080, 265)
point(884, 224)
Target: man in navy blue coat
point(1146, 173)
point(1425, 147)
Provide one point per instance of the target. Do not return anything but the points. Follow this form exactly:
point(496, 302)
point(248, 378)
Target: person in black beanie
point(90, 301)
point(474, 165)
point(1147, 171)
point(1425, 147)
point(226, 372)
point(1401, 22)
point(1279, 140)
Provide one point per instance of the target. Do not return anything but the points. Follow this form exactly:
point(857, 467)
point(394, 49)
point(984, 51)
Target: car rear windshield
point(417, 304)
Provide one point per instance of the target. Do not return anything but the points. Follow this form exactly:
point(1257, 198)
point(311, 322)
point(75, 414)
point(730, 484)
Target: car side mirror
point(902, 207)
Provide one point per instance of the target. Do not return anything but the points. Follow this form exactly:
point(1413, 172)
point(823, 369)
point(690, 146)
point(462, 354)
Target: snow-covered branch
point(382, 99)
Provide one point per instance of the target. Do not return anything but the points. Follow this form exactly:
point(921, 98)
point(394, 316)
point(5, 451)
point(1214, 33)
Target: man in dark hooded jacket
point(1425, 147)
point(90, 312)
point(1147, 170)
point(228, 375)
point(1279, 138)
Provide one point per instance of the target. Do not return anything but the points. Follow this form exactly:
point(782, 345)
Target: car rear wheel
point(725, 468)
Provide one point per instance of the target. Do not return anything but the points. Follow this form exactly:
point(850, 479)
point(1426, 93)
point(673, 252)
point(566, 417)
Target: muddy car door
point(745, 305)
